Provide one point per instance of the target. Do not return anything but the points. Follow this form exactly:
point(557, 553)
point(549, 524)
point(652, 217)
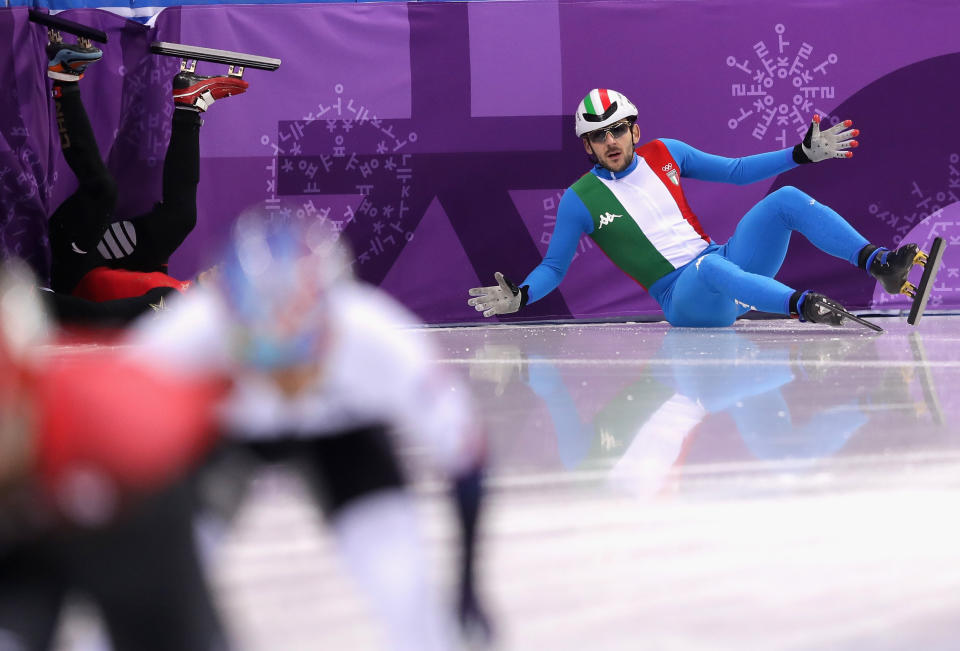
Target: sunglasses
point(617, 130)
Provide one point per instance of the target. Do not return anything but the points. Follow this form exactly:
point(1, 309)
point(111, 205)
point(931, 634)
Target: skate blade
point(194, 53)
point(63, 25)
point(856, 319)
point(930, 267)
point(861, 321)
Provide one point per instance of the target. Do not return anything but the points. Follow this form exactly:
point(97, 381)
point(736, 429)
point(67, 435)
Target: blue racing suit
point(718, 283)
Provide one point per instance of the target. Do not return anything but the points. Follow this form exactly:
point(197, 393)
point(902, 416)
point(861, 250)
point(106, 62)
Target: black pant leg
point(145, 575)
point(181, 166)
point(161, 231)
point(32, 590)
point(78, 223)
point(76, 136)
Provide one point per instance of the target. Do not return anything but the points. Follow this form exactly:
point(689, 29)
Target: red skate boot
point(192, 91)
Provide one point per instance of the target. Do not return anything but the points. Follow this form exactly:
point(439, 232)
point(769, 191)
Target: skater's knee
point(790, 197)
point(166, 227)
point(787, 205)
point(789, 192)
point(180, 226)
point(188, 221)
point(179, 219)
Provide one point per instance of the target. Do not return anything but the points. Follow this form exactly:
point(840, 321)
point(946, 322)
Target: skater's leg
point(760, 241)
point(181, 166)
point(77, 224)
point(358, 477)
point(76, 136)
point(32, 591)
point(379, 538)
point(161, 231)
point(77, 141)
point(165, 228)
point(742, 271)
point(713, 291)
point(144, 573)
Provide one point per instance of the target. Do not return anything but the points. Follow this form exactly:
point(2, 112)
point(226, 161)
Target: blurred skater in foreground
point(326, 375)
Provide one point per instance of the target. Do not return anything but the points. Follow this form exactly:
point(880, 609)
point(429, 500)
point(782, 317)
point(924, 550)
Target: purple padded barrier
point(437, 137)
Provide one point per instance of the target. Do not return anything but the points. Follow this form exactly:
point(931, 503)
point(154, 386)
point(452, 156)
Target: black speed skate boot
point(891, 268)
point(67, 61)
point(817, 308)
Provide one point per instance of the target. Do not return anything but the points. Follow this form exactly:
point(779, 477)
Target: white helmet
point(601, 108)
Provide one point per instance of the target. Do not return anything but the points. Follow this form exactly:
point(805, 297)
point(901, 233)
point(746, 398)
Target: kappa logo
point(607, 218)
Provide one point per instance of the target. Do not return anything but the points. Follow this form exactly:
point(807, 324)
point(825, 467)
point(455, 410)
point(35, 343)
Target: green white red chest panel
point(642, 221)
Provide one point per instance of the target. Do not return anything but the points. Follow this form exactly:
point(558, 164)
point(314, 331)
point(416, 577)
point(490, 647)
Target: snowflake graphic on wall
point(780, 88)
point(327, 153)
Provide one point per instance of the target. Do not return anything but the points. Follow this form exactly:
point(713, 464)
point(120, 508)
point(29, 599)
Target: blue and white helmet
point(276, 281)
point(601, 108)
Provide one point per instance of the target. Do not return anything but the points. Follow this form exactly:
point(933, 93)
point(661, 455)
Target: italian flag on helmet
point(601, 108)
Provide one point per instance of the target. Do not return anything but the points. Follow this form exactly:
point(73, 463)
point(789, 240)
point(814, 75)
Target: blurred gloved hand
point(820, 145)
point(502, 298)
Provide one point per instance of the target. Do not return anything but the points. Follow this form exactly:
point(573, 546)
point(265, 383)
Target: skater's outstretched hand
point(502, 298)
point(818, 145)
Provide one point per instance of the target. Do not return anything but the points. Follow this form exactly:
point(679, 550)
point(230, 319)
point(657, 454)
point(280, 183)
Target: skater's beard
point(618, 158)
point(615, 155)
